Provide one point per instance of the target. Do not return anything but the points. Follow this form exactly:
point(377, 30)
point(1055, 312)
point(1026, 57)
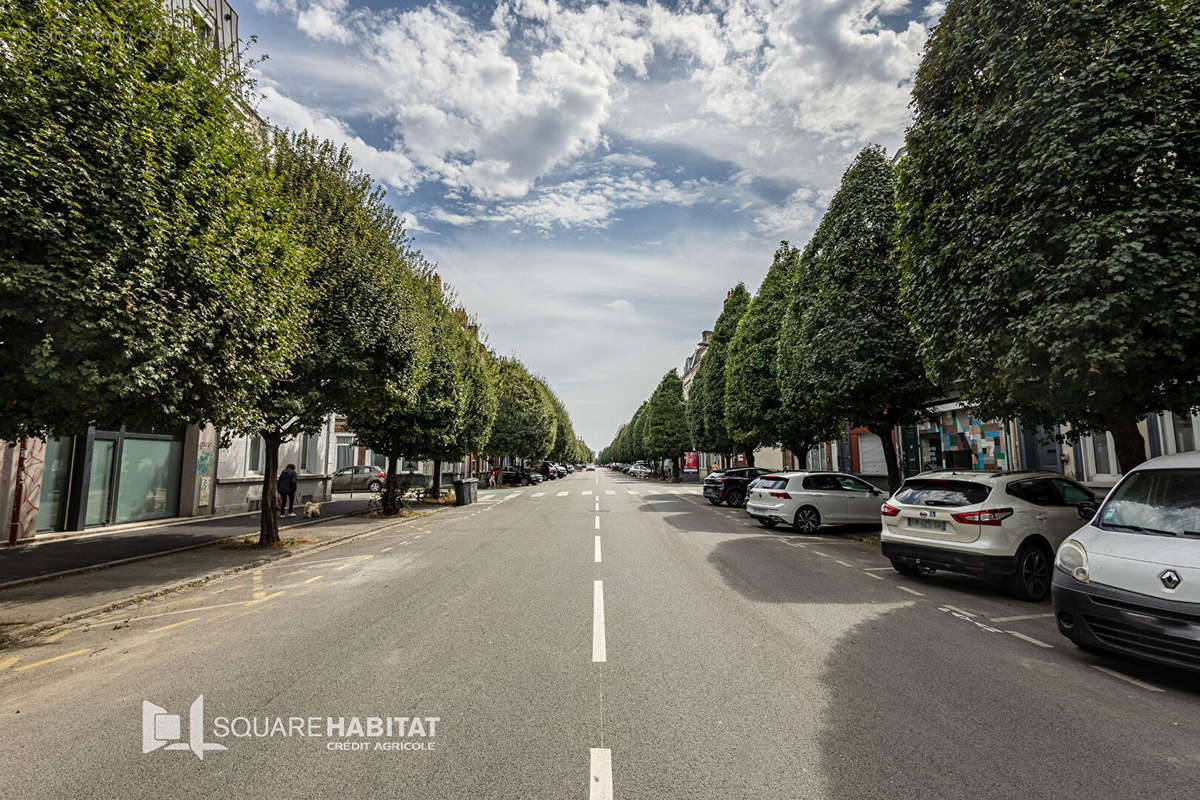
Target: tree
point(350, 234)
point(754, 410)
point(694, 411)
point(149, 274)
point(850, 353)
point(667, 435)
point(1048, 202)
point(525, 426)
point(712, 376)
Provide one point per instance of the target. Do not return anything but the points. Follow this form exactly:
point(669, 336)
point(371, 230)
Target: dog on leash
point(312, 510)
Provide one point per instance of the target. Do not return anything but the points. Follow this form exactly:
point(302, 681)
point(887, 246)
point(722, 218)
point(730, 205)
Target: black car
point(730, 486)
point(516, 476)
point(548, 470)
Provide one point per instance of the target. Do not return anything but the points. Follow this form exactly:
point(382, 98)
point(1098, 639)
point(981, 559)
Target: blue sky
point(593, 177)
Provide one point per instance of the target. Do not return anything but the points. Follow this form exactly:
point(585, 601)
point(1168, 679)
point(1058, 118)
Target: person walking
point(287, 491)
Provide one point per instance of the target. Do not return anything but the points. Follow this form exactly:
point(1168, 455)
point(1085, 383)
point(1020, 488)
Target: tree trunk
point(749, 457)
point(390, 506)
point(676, 469)
point(268, 532)
point(436, 488)
point(1130, 446)
point(889, 458)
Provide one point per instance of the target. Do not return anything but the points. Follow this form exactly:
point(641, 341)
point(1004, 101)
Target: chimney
point(706, 337)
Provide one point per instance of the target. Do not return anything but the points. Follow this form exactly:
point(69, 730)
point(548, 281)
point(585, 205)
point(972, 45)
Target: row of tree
point(658, 431)
point(168, 259)
point(1035, 249)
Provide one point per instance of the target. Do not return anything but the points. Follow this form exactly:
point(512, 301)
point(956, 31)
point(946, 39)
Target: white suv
point(1004, 526)
point(1129, 580)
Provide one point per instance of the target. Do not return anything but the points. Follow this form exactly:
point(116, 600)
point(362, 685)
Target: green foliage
point(1049, 202)
point(850, 354)
point(149, 275)
point(715, 436)
point(667, 434)
point(754, 411)
point(526, 424)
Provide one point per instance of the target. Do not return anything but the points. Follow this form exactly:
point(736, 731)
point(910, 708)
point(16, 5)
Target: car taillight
point(889, 510)
point(989, 517)
point(781, 495)
point(380, 474)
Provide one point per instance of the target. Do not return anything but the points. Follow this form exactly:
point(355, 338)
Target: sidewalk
point(32, 605)
point(37, 560)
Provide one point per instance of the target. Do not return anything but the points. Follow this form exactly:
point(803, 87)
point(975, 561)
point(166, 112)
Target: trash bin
point(466, 491)
point(473, 485)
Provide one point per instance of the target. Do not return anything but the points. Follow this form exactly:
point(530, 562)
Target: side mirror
point(1087, 509)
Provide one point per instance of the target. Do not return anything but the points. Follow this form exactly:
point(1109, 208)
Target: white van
point(1129, 580)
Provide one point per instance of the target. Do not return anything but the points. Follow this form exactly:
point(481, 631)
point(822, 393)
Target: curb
point(15, 636)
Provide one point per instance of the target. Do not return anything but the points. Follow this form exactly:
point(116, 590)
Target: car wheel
point(374, 486)
point(767, 523)
point(807, 520)
point(1031, 572)
point(905, 569)
point(735, 499)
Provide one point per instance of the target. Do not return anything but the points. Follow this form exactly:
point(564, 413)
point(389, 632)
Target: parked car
point(358, 479)
point(548, 471)
point(1004, 526)
point(519, 476)
point(808, 500)
point(639, 471)
point(591, 467)
point(730, 486)
point(1128, 581)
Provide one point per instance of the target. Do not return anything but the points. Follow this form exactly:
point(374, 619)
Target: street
point(594, 636)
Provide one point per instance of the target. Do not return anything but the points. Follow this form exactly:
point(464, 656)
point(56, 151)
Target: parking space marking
point(1023, 617)
point(910, 591)
point(822, 555)
point(258, 600)
point(316, 578)
point(966, 613)
point(844, 564)
point(1030, 639)
point(538, 494)
point(173, 625)
point(877, 569)
point(873, 575)
point(54, 637)
point(562, 494)
point(1120, 676)
point(52, 660)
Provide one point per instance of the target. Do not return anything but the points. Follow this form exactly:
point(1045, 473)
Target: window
point(1100, 456)
point(942, 494)
point(854, 484)
point(1040, 492)
point(1155, 501)
point(822, 483)
point(308, 453)
point(345, 451)
point(770, 482)
point(1185, 434)
point(1072, 493)
point(254, 461)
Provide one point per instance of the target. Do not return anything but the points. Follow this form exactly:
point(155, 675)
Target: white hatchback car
point(1128, 581)
point(808, 500)
point(1004, 526)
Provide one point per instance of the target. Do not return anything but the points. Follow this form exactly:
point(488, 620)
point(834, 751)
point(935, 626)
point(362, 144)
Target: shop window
point(148, 485)
point(100, 482)
point(55, 476)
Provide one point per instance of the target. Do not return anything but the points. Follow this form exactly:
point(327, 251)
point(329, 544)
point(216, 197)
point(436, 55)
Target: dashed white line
point(597, 522)
point(1022, 617)
point(600, 782)
point(1030, 639)
point(587, 491)
point(1140, 684)
point(538, 494)
point(597, 557)
point(599, 650)
point(910, 591)
point(562, 494)
point(610, 491)
point(632, 491)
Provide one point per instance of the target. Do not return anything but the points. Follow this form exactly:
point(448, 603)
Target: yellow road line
point(174, 625)
point(259, 594)
point(351, 563)
point(263, 599)
point(54, 637)
point(56, 658)
point(310, 580)
point(5, 663)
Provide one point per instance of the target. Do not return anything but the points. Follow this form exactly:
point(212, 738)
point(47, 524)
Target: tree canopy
point(526, 424)
point(715, 436)
point(1048, 205)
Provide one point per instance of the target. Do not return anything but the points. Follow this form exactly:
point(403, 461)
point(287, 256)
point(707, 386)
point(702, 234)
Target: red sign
point(691, 462)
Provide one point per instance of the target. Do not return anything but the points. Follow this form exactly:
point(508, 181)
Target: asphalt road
point(689, 654)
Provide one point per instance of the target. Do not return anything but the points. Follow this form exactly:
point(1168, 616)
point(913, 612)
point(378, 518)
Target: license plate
point(927, 524)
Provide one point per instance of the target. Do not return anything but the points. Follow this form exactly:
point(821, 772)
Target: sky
point(593, 177)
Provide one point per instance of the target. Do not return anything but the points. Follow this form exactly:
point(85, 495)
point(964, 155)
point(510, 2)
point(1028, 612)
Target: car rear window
point(942, 493)
point(770, 482)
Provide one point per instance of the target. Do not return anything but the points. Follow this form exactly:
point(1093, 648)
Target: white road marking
point(597, 559)
point(1030, 639)
point(632, 491)
point(964, 613)
point(597, 522)
point(601, 779)
point(610, 491)
point(538, 494)
point(878, 569)
point(1022, 617)
point(587, 491)
point(598, 647)
point(873, 575)
point(823, 555)
point(844, 564)
point(1127, 679)
point(384, 550)
point(910, 591)
point(562, 494)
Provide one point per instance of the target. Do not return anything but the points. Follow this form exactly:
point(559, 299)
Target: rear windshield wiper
point(1135, 529)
